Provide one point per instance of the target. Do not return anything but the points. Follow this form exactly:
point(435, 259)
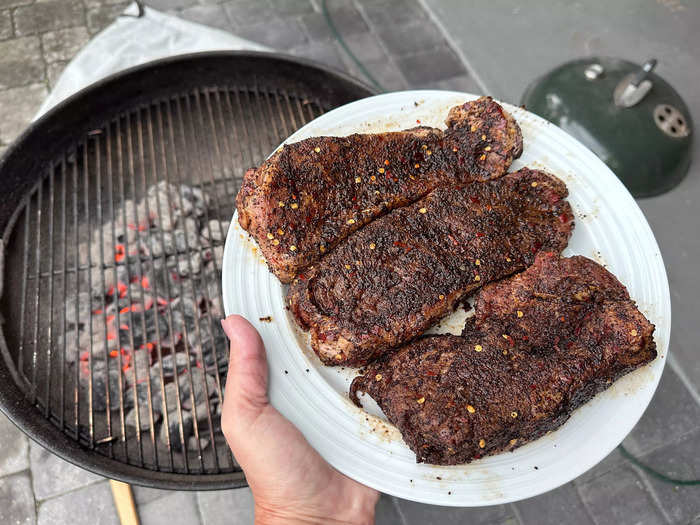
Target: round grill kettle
point(626, 114)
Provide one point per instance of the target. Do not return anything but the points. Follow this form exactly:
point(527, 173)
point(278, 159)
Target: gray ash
point(153, 301)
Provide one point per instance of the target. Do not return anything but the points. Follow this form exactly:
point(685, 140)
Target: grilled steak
point(540, 345)
point(390, 281)
point(312, 194)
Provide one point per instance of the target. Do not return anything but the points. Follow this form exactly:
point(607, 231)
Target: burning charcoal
point(138, 322)
point(191, 265)
point(138, 292)
point(169, 362)
point(123, 236)
point(187, 236)
point(130, 219)
point(98, 321)
point(162, 203)
point(83, 310)
point(110, 280)
point(180, 241)
point(215, 230)
point(99, 385)
point(220, 343)
point(167, 279)
point(218, 255)
point(147, 320)
point(175, 316)
point(202, 413)
point(168, 243)
point(198, 201)
point(170, 396)
point(209, 268)
point(144, 418)
point(162, 243)
point(191, 227)
point(142, 396)
point(101, 248)
point(76, 342)
point(169, 263)
point(214, 291)
point(142, 248)
point(139, 366)
point(164, 265)
point(200, 395)
point(187, 306)
point(185, 396)
point(207, 256)
point(103, 344)
point(173, 427)
point(192, 443)
point(216, 309)
point(157, 248)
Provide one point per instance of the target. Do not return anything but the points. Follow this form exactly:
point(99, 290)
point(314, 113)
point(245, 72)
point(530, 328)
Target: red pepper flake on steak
point(418, 262)
point(479, 403)
point(322, 189)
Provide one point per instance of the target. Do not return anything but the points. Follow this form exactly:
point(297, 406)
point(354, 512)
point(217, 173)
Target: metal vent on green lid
point(625, 113)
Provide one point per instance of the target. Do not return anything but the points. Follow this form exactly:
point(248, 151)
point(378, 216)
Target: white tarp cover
point(132, 41)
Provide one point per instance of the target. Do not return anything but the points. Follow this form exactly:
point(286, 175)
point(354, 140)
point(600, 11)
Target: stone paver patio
point(404, 44)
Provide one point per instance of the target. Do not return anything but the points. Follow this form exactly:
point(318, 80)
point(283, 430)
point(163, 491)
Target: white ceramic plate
point(610, 229)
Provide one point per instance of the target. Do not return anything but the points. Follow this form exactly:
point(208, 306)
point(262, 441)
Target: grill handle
point(124, 501)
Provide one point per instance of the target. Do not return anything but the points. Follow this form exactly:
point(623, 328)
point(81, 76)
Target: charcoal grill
point(113, 211)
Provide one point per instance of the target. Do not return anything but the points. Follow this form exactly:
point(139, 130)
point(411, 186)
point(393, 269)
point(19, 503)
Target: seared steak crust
point(312, 194)
point(390, 281)
point(541, 344)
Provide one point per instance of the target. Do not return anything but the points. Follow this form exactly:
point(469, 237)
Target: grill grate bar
point(198, 330)
point(280, 112)
point(127, 250)
point(290, 111)
point(257, 137)
point(173, 149)
point(103, 306)
point(50, 292)
point(269, 145)
point(112, 219)
point(76, 386)
point(188, 364)
point(273, 120)
point(25, 291)
point(91, 357)
point(217, 150)
point(248, 138)
point(64, 278)
point(223, 132)
point(169, 315)
point(35, 336)
point(208, 298)
point(130, 277)
point(154, 297)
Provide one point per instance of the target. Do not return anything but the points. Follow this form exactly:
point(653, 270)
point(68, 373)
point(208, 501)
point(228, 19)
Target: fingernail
point(228, 329)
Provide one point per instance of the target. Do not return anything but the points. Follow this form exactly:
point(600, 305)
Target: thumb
point(246, 384)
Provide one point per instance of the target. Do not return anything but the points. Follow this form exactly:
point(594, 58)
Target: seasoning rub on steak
point(390, 281)
point(310, 195)
point(540, 344)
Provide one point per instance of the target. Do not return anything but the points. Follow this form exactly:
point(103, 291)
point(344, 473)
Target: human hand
point(290, 482)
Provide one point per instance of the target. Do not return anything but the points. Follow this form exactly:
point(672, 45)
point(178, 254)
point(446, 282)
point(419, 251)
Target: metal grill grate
point(93, 255)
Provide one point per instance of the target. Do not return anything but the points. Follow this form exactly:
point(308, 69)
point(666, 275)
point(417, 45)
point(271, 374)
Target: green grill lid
point(626, 114)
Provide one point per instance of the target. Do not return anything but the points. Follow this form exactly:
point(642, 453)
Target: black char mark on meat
point(390, 281)
point(310, 195)
point(541, 344)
